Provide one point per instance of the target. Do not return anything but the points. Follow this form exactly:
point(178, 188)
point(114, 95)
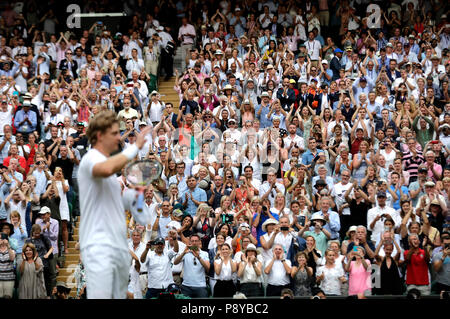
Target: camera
point(227, 218)
point(212, 214)
point(4, 236)
point(264, 209)
point(446, 246)
point(284, 228)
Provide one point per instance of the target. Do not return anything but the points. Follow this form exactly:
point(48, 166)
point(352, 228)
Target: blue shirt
point(405, 190)
point(308, 157)
point(198, 194)
point(263, 120)
point(333, 225)
point(262, 219)
point(324, 79)
point(19, 238)
point(194, 273)
point(41, 182)
point(26, 127)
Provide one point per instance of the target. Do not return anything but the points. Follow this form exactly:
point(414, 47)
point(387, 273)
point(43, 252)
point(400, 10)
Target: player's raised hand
point(140, 139)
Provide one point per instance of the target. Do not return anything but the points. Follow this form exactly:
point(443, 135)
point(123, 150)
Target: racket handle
point(140, 202)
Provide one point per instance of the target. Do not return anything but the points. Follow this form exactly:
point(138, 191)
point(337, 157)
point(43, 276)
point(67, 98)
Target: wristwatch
point(283, 260)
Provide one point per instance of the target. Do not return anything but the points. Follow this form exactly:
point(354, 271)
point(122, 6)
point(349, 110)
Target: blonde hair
point(100, 123)
point(15, 213)
point(200, 208)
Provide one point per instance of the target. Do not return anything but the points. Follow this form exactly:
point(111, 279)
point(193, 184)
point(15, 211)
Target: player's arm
point(117, 162)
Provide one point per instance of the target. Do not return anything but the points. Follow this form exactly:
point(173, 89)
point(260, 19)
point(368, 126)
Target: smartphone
point(4, 236)
point(212, 213)
point(355, 249)
point(301, 220)
point(284, 228)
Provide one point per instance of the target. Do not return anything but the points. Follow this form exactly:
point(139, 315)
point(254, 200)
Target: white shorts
point(107, 272)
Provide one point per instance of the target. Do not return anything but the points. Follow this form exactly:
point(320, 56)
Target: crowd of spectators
point(309, 149)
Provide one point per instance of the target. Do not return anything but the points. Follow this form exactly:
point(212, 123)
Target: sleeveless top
point(302, 283)
point(390, 279)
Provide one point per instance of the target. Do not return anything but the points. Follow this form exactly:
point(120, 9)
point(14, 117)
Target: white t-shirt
point(313, 47)
point(278, 275)
point(331, 285)
point(6, 118)
point(338, 193)
point(102, 211)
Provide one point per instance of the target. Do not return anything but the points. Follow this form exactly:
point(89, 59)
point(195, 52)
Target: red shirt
point(355, 146)
point(417, 269)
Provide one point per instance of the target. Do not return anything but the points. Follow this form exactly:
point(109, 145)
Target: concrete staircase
point(168, 94)
point(72, 259)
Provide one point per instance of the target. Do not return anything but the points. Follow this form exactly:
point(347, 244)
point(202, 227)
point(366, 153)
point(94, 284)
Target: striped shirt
point(412, 164)
point(6, 267)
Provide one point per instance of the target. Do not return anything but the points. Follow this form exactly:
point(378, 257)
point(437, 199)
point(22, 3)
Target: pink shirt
point(359, 278)
point(437, 169)
point(184, 30)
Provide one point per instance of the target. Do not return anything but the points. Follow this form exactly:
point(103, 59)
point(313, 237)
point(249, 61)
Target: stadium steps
point(67, 273)
point(168, 94)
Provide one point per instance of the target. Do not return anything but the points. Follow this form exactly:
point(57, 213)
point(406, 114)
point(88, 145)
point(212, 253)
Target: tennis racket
point(140, 174)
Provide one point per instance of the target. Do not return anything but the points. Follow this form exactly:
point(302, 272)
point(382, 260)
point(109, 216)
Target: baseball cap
point(44, 210)
point(269, 66)
point(389, 45)
point(337, 50)
point(177, 212)
point(381, 194)
point(363, 79)
point(430, 183)
point(159, 241)
point(265, 94)
point(231, 120)
point(324, 62)
point(292, 81)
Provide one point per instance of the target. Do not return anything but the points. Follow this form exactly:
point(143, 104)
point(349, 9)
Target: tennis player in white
point(103, 237)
